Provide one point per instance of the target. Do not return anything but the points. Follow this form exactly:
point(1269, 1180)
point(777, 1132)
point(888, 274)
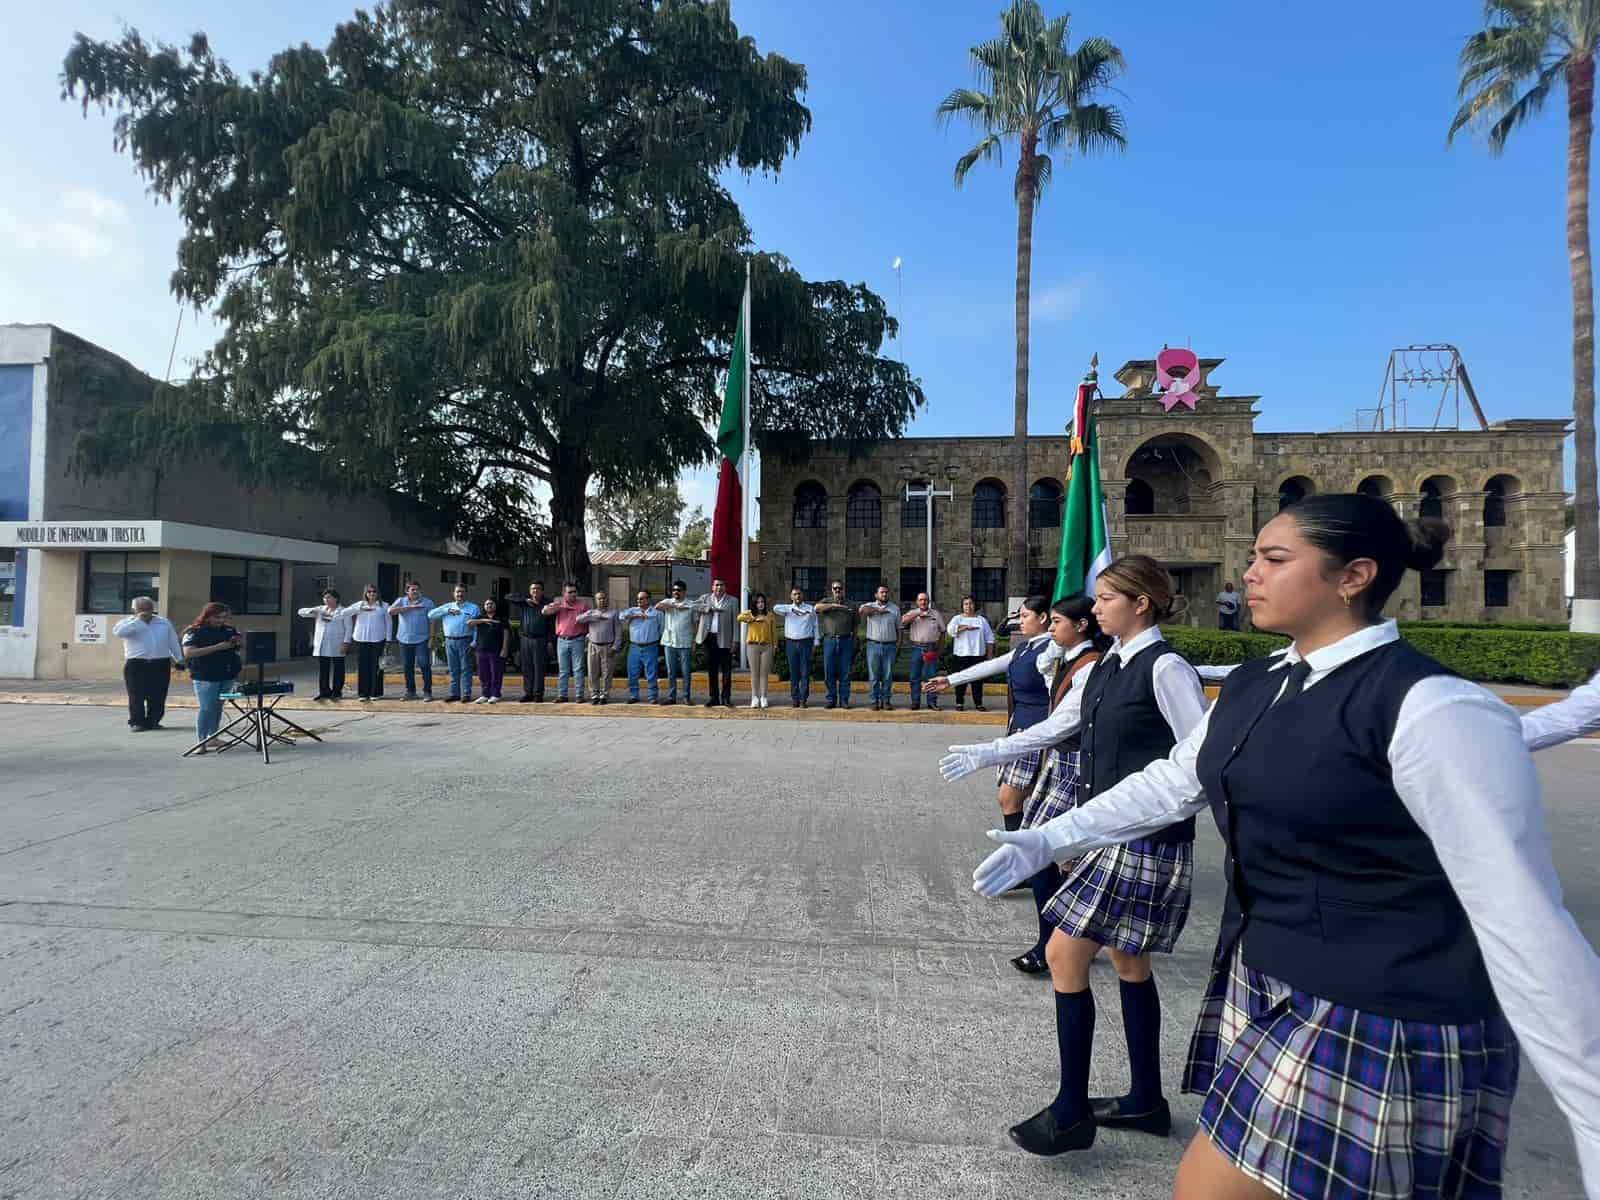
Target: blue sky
point(1287, 201)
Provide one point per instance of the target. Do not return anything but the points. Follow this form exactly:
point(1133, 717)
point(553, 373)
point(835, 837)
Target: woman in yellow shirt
point(762, 640)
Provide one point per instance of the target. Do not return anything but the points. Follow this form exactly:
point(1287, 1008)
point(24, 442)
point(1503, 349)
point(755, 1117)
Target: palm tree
point(1036, 90)
point(1507, 73)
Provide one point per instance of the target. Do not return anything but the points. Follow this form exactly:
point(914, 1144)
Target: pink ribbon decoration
point(1176, 390)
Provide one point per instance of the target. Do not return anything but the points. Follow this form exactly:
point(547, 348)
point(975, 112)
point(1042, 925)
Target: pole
point(744, 477)
point(926, 495)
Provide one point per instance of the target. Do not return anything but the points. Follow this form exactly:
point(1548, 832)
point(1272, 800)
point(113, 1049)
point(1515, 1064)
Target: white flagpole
point(744, 474)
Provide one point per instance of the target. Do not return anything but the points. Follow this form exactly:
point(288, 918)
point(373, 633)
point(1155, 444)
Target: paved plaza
point(576, 957)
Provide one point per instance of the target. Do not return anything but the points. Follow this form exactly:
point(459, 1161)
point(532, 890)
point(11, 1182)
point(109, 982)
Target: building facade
point(1188, 486)
point(75, 549)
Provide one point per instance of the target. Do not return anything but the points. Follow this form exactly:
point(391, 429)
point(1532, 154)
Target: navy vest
point(1333, 888)
point(1030, 694)
point(1123, 732)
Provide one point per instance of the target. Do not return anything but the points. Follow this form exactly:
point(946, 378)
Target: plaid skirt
point(1056, 791)
point(1019, 772)
point(1313, 1099)
point(1133, 898)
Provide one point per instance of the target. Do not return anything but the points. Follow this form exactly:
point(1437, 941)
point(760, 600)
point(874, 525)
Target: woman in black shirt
point(211, 647)
point(492, 640)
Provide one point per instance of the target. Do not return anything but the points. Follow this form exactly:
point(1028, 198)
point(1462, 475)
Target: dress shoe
point(523, 700)
point(711, 703)
point(1040, 1134)
point(1033, 963)
point(1108, 1112)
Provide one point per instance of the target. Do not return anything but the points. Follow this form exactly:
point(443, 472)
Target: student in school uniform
point(1394, 925)
point(1140, 699)
point(1577, 715)
point(1030, 699)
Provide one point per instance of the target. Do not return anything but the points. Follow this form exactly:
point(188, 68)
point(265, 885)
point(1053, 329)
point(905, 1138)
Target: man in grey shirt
point(604, 628)
point(883, 638)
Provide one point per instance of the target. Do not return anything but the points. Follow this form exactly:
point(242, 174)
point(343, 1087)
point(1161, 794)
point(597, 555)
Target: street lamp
point(926, 495)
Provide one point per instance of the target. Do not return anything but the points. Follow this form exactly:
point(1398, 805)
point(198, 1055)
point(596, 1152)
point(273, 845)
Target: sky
point(1286, 201)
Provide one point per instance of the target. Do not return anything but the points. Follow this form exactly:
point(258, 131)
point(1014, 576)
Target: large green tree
point(1036, 90)
point(1528, 50)
point(477, 245)
point(640, 518)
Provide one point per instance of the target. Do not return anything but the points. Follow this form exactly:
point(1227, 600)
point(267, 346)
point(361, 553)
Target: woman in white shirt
point(972, 640)
point(369, 619)
point(1394, 925)
point(330, 643)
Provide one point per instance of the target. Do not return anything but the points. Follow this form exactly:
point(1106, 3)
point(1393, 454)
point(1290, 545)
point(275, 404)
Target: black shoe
point(1040, 1134)
point(711, 703)
point(980, 708)
point(918, 707)
point(960, 707)
point(933, 705)
point(829, 704)
point(1108, 1112)
point(526, 700)
point(633, 699)
point(807, 704)
point(888, 705)
point(1033, 963)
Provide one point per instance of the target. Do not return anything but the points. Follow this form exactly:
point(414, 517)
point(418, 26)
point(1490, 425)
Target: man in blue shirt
point(411, 611)
point(644, 639)
point(458, 642)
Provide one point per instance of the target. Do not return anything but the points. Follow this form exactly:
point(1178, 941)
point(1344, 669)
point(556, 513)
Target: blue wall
point(16, 453)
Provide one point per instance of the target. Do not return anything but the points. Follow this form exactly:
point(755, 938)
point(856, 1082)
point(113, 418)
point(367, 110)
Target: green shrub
point(1218, 647)
point(1514, 625)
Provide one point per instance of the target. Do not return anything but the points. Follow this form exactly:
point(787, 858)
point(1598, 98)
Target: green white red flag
point(1085, 544)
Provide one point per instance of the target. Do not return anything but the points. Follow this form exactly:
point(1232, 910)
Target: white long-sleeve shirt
point(994, 666)
point(1179, 696)
point(973, 635)
point(799, 621)
point(1564, 720)
point(1460, 767)
point(333, 631)
point(152, 639)
point(368, 622)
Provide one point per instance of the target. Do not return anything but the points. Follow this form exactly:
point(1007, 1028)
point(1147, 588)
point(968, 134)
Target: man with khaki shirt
point(883, 638)
point(604, 627)
point(718, 632)
point(924, 626)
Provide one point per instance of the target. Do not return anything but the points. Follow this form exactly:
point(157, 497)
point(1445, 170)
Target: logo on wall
point(89, 629)
point(1177, 378)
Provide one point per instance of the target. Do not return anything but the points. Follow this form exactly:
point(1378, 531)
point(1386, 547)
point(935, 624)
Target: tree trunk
point(1586, 510)
point(1018, 572)
point(569, 487)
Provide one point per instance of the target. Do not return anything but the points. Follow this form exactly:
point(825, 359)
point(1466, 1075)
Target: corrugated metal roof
point(632, 558)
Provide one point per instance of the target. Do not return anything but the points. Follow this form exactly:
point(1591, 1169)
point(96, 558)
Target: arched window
point(1433, 490)
point(1379, 487)
point(989, 505)
point(1140, 499)
point(1293, 490)
point(1494, 500)
point(1044, 505)
point(914, 513)
point(863, 507)
point(810, 506)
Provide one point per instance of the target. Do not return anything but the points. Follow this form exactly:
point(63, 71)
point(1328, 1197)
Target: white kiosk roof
point(160, 535)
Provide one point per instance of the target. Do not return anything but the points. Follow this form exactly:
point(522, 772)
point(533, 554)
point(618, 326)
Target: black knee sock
point(1074, 1039)
point(1141, 1023)
point(1044, 884)
point(1013, 821)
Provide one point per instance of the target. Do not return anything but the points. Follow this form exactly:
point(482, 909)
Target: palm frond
point(1497, 64)
point(988, 150)
point(1089, 129)
point(1523, 109)
point(1043, 169)
point(977, 107)
point(1094, 65)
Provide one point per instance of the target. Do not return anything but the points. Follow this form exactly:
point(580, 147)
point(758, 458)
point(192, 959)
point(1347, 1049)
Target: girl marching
point(1394, 924)
point(1139, 700)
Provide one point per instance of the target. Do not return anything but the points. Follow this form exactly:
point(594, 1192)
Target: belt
point(641, 645)
point(882, 642)
point(457, 637)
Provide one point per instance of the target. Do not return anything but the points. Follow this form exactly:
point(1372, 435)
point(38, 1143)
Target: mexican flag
point(1085, 546)
point(728, 557)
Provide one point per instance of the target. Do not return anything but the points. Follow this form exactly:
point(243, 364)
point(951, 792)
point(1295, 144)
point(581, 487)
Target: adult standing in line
point(1394, 926)
point(572, 644)
point(1030, 699)
point(1577, 715)
point(924, 626)
point(1228, 607)
point(799, 635)
point(211, 647)
point(761, 639)
point(1141, 699)
point(604, 631)
point(972, 642)
point(677, 640)
point(150, 646)
point(491, 641)
point(413, 633)
point(644, 646)
point(534, 649)
point(718, 632)
point(456, 619)
point(369, 619)
point(883, 639)
point(836, 621)
point(330, 643)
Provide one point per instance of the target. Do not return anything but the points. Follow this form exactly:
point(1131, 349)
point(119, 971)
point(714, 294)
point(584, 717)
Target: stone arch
point(1495, 491)
point(1045, 500)
point(1180, 469)
point(1138, 499)
point(863, 505)
point(1294, 488)
point(1377, 485)
point(989, 504)
point(1431, 492)
point(810, 505)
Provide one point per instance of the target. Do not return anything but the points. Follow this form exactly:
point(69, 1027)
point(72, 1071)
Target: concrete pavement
point(585, 958)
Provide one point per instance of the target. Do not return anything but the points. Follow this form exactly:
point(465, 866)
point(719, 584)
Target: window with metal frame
point(988, 506)
point(813, 581)
point(1435, 589)
point(989, 585)
point(112, 579)
point(861, 583)
point(863, 508)
point(914, 580)
point(249, 586)
point(810, 507)
point(1044, 505)
point(1497, 589)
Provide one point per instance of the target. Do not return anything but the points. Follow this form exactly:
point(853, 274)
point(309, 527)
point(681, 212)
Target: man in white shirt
point(799, 636)
point(718, 632)
point(150, 646)
point(1228, 607)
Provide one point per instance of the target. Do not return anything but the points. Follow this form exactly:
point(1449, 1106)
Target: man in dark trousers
point(150, 646)
point(535, 648)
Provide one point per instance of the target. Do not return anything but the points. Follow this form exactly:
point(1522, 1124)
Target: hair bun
point(1428, 538)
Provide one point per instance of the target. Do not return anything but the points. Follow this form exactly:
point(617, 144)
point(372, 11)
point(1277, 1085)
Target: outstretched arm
point(1564, 720)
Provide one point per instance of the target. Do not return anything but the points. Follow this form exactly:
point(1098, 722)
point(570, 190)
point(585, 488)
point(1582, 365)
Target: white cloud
point(85, 230)
point(1062, 301)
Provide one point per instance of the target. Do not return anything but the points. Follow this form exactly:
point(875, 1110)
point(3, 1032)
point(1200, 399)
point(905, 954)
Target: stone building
point(1190, 487)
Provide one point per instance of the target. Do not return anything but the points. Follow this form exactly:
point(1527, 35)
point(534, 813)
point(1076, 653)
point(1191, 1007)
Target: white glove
point(1049, 657)
point(1022, 855)
point(964, 760)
